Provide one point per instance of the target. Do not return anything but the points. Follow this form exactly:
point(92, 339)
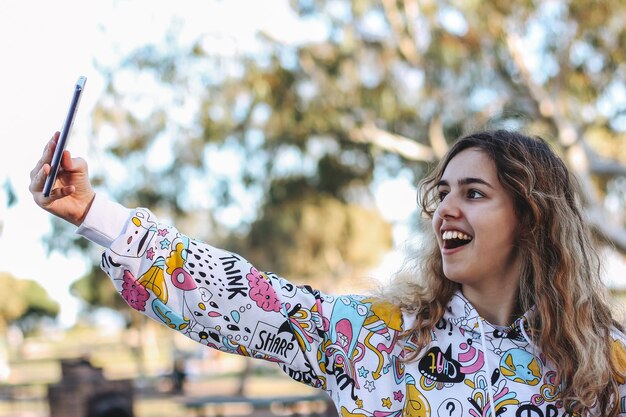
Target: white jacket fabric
point(347, 345)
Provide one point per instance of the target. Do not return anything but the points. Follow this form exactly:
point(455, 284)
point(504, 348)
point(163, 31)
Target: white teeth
point(454, 234)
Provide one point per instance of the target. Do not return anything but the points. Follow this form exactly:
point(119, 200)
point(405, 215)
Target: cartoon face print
point(521, 366)
point(346, 322)
point(137, 237)
point(134, 293)
point(261, 291)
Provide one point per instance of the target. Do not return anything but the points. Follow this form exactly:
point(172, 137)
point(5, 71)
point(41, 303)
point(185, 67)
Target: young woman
point(506, 314)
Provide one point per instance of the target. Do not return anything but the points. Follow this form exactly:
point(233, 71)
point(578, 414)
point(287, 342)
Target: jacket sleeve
point(219, 299)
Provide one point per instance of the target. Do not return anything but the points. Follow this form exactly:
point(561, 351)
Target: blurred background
point(292, 131)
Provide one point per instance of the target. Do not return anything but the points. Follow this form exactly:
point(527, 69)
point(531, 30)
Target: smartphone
point(65, 133)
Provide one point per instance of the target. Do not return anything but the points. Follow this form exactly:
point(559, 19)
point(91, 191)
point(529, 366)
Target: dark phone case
point(65, 133)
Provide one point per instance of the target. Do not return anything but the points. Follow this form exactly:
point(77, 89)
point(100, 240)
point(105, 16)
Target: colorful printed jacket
point(346, 345)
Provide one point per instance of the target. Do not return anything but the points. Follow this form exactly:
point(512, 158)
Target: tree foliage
point(280, 145)
point(25, 303)
point(7, 199)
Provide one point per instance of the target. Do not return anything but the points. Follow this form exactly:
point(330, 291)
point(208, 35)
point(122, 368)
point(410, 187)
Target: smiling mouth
point(453, 239)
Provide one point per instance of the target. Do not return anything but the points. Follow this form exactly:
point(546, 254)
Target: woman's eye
point(473, 194)
point(441, 195)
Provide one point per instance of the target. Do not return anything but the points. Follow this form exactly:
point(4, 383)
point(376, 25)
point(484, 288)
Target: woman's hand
point(72, 194)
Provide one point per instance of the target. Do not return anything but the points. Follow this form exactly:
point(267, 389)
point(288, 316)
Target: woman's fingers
point(39, 178)
point(72, 181)
point(60, 192)
point(46, 157)
point(48, 150)
point(42, 170)
point(67, 163)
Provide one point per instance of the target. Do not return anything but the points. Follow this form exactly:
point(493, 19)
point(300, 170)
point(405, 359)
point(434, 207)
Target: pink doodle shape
point(183, 280)
point(262, 292)
point(398, 396)
point(471, 359)
point(133, 293)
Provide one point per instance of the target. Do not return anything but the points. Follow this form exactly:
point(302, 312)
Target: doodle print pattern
point(261, 291)
point(347, 345)
point(133, 292)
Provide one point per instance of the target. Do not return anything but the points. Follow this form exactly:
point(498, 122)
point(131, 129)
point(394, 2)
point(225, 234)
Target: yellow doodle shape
point(346, 413)
point(175, 260)
point(387, 402)
point(618, 354)
point(384, 314)
point(535, 370)
point(154, 281)
point(381, 359)
point(416, 405)
point(387, 312)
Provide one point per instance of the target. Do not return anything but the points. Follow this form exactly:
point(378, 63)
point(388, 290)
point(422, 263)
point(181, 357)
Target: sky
point(45, 47)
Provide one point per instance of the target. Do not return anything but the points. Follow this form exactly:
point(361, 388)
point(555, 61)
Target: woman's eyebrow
point(465, 181)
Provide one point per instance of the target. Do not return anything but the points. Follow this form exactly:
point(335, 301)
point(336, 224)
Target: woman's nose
point(448, 208)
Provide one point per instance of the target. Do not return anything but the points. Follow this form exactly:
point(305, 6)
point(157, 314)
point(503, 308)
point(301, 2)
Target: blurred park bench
point(22, 391)
point(288, 405)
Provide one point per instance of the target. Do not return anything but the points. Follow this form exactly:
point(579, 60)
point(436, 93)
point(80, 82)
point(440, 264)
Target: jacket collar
point(462, 314)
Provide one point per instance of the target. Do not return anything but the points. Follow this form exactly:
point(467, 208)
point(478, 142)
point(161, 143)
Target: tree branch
point(437, 138)
point(612, 232)
point(609, 168)
point(391, 142)
point(604, 166)
point(580, 158)
point(406, 44)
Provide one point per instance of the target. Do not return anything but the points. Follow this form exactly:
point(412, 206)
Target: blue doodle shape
point(168, 316)
point(235, 315)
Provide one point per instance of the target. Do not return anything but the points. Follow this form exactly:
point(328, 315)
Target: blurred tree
point(273, 151)
point(25, 304)
point(8, 199)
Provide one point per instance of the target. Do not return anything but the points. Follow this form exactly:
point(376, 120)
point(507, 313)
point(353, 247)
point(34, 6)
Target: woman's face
point(476, 225)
